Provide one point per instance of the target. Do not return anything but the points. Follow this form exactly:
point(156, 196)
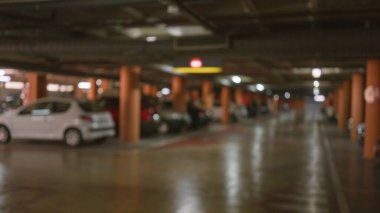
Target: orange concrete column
point(153, 91)
point(208, 94)
point(93, 91)
point(372, 111)
point(147, 89)
point(344, 105)
point(195, 94)
point(275, 105)
point(238, 96)
point(357, 104)
point(225, 102)
point(179, 93)
point(105, 86)
point(130, 102)
point(37, 86)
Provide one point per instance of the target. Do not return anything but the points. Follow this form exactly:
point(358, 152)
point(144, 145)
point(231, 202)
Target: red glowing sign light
point(196, 63)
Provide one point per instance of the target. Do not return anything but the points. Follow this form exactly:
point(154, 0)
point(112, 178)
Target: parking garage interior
point(189, 106)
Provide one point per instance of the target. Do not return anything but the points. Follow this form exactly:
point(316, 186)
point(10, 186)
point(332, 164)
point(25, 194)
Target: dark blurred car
point(199, 117)
point(10, 102)
point(175, 120)
point(361, 135)
point(150, 119)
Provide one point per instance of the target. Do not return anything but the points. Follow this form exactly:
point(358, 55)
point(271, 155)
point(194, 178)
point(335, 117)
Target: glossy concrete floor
point(290, 162)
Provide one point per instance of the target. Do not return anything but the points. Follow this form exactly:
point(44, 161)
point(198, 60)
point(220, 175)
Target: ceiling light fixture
point(165, 91)
point(287, 95)
point(173, 9)
point(5, 78)
point(316, 91)
point(316, 83)
point(319, 98)
point(84, 85)
point(260, 87)
point(151, 38)
point(236, 79)
point(316, 72)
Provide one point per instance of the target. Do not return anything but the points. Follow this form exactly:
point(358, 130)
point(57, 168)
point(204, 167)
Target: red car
point(150, 120)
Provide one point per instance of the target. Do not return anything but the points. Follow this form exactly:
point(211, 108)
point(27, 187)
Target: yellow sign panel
point(198, 70)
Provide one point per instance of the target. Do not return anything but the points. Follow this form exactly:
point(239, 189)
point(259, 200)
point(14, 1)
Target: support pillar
point(105, 86)
point(154, 91)
point(93, 91)
point(372, 111)
point(357, 104)
point(225, 101)
point(239, 96)
point(179, 93)
point(207, 94)
point(37, 86)
point(344, 105)
point(130, 102)
point(147, 89)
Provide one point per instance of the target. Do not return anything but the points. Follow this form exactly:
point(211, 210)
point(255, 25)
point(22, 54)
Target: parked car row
point(77, 121)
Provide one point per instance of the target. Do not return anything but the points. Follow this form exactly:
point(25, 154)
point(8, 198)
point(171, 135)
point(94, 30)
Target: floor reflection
point(272, 164)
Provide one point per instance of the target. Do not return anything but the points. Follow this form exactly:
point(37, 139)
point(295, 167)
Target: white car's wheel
point(5, 136)
point(163, 128)
point(72, 137)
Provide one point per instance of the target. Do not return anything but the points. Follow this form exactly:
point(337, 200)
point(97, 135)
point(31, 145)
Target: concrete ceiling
point(262, 39)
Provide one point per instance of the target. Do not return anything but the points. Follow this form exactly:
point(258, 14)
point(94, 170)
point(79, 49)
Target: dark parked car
point(175, 120)
point(10, 102)
point(199, 117)
point(361, 135)
point(150, 119)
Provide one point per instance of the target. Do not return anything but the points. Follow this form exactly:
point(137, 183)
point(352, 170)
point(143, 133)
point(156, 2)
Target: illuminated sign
point(197, 65)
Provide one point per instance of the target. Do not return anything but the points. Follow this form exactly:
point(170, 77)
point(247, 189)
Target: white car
point(64, 119)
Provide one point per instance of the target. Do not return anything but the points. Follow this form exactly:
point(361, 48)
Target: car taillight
point(85, 118)
point(146, 115)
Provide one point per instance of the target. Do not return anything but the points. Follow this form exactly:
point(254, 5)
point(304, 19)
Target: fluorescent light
point(316, 83)
point(316, 72)
point(165, 91)
point(4, 78)
point(84, 85)
point(260, 87)
point(14, 85)
point(151, 38)
point(173, 9)
point(2, 72)
point(319, 98)
point(175, 31)
point(52, 87)
point(287, 95)
point(66, 88)
point(236, 79)
point(316, 91)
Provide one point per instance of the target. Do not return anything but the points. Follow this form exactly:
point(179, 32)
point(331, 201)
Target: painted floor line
point(341, 198)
